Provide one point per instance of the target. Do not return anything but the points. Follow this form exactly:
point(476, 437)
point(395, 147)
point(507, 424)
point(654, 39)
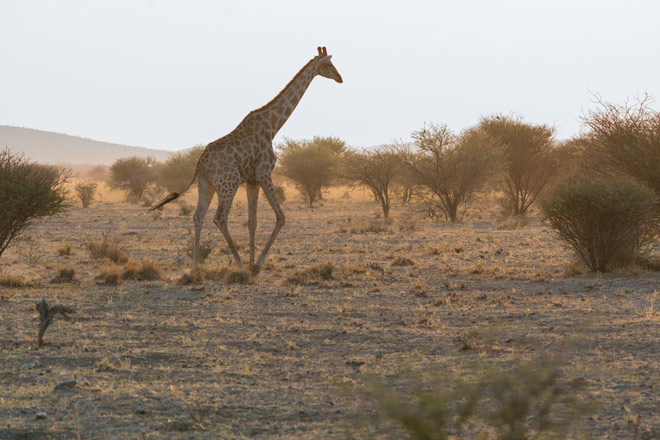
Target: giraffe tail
point(166, 200)
point(173, 196)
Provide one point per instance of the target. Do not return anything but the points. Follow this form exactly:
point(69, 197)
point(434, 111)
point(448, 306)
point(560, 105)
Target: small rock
point(40, 416)
point(140, 410)
point(29, 365)
point(355, 364)
point(67, 383)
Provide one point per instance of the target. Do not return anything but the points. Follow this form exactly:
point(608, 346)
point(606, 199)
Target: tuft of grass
point(146, 271)
point(184, 209)
point(205, 249)
point(402, 261)
point(234, 275)
point(106, 248)
point(110, 275)
point(314, 273)
point(9, 280)
point(65, 275)
point(103, 365)
point(418, 290)
point(196, 276)
point(64, 251)
point(376, 226)
point(513, 222)
point(231, 275)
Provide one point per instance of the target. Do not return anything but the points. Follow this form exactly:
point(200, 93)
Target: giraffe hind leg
point(252, 198)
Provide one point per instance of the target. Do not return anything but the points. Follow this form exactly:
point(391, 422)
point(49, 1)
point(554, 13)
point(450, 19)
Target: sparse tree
point(448, 169)
point(174, 174)
point(528, 159)
point(134, 175)
point(310, 164)
point(85, 192)
point(375, 170)
point(27, 191)
point(99, 173)
point(624, 140)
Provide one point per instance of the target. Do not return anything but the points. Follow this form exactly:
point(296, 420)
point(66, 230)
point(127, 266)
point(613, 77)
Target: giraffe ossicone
point(246, 155)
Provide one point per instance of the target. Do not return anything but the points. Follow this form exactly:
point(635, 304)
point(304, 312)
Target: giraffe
point(246, 155)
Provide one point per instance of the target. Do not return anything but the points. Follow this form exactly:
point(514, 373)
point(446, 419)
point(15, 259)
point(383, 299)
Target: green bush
point(133, 175)
point(310, 164)
point(604, 220)
point(27, 191)
point(528, 401)
point(175, 173)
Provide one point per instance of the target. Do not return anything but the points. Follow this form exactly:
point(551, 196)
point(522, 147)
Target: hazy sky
point(170, 74)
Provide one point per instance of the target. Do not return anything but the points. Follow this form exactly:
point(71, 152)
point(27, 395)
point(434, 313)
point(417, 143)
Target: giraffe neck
point(273, 115)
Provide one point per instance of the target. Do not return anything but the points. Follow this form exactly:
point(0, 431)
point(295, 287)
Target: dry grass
point(227, 275)
point(64, 251)
point(65, 275)
point(11, 280)
point(312, 274)
point(402, 261)
point(110, 275)
point(147, 270)
point(107, 249)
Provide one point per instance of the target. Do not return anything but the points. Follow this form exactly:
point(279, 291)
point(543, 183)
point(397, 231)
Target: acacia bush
point(604, 220)
point(133, 175)
point(528, 157)
point(376, 170)
point(175, 173)
point(85, 192)
point(447, 170)
point(625, 140)
point(28, 191)
point(310, 164)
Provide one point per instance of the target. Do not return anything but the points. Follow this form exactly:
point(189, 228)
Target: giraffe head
point(325, 66)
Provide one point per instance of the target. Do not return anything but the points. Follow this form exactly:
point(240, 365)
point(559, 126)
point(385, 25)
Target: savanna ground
point(272, 359)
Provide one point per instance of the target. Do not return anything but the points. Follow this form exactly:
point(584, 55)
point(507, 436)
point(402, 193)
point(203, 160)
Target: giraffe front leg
point(252, 198)
point(271, 195)
point(220, 220)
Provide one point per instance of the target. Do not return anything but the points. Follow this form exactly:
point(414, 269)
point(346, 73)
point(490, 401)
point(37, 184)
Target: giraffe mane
point(287, 84)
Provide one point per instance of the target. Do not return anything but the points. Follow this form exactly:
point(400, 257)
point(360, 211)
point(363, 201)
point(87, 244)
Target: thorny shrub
point(85, 192)
point(604, 220)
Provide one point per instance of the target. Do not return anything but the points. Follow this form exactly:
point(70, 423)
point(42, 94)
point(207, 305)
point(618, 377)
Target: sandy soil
point(269, 359)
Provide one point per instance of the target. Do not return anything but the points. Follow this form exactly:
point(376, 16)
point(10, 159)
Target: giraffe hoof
point(255, 269)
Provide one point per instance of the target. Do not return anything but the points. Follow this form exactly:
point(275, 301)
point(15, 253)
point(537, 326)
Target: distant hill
point(55, 148)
